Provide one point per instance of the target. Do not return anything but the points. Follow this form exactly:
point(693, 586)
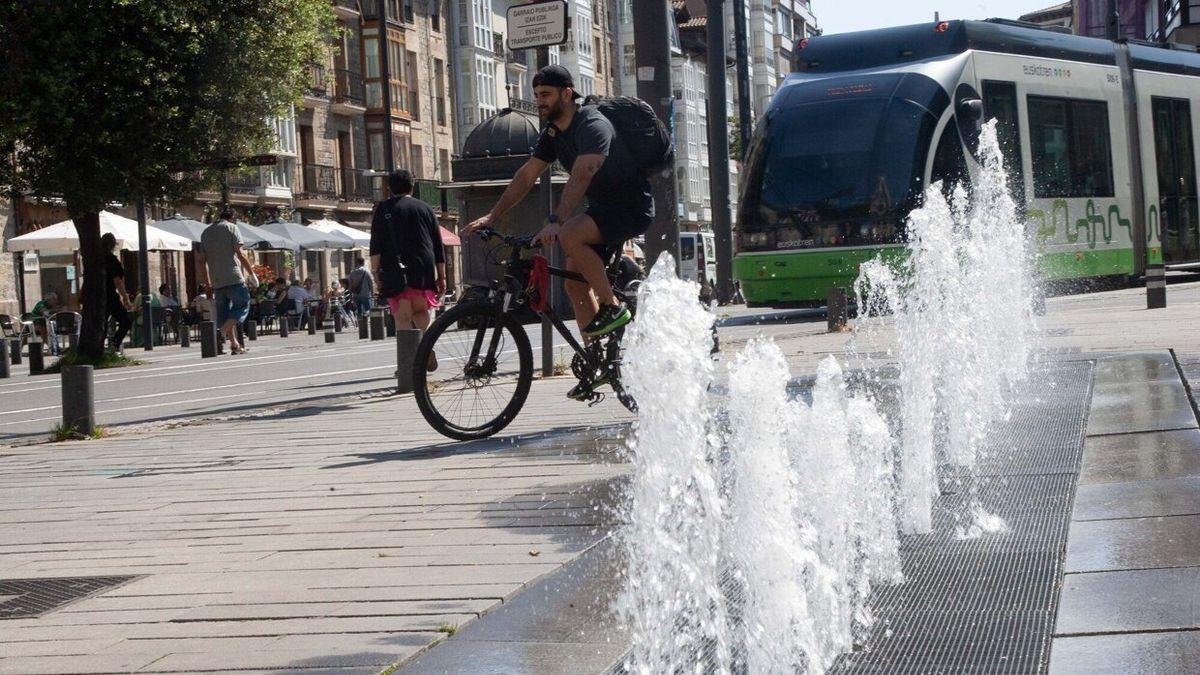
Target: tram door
point(1176, 180)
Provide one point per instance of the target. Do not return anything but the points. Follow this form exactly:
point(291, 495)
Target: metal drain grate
point(26, 598)
point(988, 604)
point(985, 604)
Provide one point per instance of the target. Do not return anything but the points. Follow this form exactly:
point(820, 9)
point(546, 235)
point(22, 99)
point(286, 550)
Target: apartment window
point(411, 79)
point(374, 86)
point(408, 12)
point(435, 16)
point(1070, 143)
point(396, 73)
point(439, 82)
point(418, 161)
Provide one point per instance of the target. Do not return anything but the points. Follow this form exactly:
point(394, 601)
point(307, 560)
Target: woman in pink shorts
point(404, 230)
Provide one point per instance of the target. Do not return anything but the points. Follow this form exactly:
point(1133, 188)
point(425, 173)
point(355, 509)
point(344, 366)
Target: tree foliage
point(115, 100)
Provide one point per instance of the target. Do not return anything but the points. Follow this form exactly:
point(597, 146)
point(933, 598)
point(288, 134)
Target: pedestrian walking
point(222, 263)
point(117, 304)
point(362, 286)
point(407, 256)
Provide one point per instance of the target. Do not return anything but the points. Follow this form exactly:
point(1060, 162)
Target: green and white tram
point(1097, 138)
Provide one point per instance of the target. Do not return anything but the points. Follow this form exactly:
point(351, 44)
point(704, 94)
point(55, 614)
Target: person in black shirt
point(405, 230)
point(117, 303)
point(620, 205)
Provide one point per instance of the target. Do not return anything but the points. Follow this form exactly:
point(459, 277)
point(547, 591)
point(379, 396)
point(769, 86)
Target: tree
point(107, 101)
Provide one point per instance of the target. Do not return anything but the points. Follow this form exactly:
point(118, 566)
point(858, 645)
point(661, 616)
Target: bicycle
point(477, 390)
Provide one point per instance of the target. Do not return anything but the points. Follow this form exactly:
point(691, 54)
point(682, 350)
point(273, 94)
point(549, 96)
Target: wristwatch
point(552, 218)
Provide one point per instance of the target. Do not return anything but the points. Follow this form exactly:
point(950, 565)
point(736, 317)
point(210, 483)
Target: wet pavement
point(1099, 572)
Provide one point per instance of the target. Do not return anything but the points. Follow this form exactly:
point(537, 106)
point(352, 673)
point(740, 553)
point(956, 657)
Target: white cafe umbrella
point(361, 239)
point(62, 237)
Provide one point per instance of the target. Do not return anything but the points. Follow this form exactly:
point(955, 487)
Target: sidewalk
point(349, 537)
point(337, 539)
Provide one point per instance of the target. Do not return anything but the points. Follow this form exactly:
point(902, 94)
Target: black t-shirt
point(415, 231)
point(591, 133)
point(113, 270)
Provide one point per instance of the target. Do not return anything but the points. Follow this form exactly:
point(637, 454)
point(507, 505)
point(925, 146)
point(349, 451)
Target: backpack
point(644, 135)
point(356, 280)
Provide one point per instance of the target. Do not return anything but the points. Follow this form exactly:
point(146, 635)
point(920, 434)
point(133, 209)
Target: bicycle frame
point(503, 298)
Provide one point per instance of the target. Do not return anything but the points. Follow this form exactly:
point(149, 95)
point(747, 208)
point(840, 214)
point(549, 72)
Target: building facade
point(1055, 15)
point(1174, 21)
point(689, 80)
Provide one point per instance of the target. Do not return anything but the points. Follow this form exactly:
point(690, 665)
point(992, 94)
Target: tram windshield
point(837, 173)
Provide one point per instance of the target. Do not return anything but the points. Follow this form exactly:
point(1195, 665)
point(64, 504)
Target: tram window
point(1000, 103)
point(1070, 143)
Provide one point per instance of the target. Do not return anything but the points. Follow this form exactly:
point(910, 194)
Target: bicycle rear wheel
point(483, 375)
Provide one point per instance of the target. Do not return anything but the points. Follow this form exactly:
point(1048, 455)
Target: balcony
point(357, 192)
point(266, 186)
point(318, 89)
point(349, 94)
point(318, 186)
point(347, 9)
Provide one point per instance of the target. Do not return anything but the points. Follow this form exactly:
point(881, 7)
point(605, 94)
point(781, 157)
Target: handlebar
point(524, 241)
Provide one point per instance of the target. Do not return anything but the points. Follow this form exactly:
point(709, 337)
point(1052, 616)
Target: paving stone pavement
point(339, 539)
point(348, 536)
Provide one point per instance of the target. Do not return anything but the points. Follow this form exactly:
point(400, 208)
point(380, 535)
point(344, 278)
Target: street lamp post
point(144, 277)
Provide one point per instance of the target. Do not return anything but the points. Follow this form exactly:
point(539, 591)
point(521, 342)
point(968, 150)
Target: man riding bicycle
point(620, 203)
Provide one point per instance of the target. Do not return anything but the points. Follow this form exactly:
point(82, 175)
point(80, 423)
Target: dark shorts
point(621, 219)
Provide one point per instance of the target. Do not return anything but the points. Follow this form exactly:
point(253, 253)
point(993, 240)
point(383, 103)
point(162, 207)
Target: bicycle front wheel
point(483, 374)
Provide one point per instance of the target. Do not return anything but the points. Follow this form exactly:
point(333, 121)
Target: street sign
point(537, 24)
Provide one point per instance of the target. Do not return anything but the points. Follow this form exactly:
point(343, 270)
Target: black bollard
point(251, 329)
point(837, 310)
point(37, 361)
point(208, 339)
point(312, 324)
point(329, 337)
point(14, 351)
point(364, 327)
point(4, 367)
point(1156, 286)
point(185, 337)
point(377, 324)
point(406, 349)
point(283, 326)
point(220, 342)
point(389, 323)
point(337, 322)
point(79, 399)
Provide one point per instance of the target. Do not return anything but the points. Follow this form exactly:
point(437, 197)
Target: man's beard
point(552, 113)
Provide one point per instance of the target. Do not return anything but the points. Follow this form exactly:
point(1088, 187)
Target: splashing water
point(807, 524)
point(672, 600)
point(758, 524)
point(963, 316)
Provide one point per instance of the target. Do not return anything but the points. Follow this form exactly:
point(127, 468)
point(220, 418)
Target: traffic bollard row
point(208, 339)
point(37, 361)
point(79, 399)
point(837, 311)
point(406, 349)
point(1156, 286)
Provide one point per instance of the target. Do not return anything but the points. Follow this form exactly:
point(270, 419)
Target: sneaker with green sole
point(608, 319)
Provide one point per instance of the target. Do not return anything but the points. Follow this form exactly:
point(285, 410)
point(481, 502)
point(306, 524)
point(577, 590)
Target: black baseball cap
point(555, 76)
